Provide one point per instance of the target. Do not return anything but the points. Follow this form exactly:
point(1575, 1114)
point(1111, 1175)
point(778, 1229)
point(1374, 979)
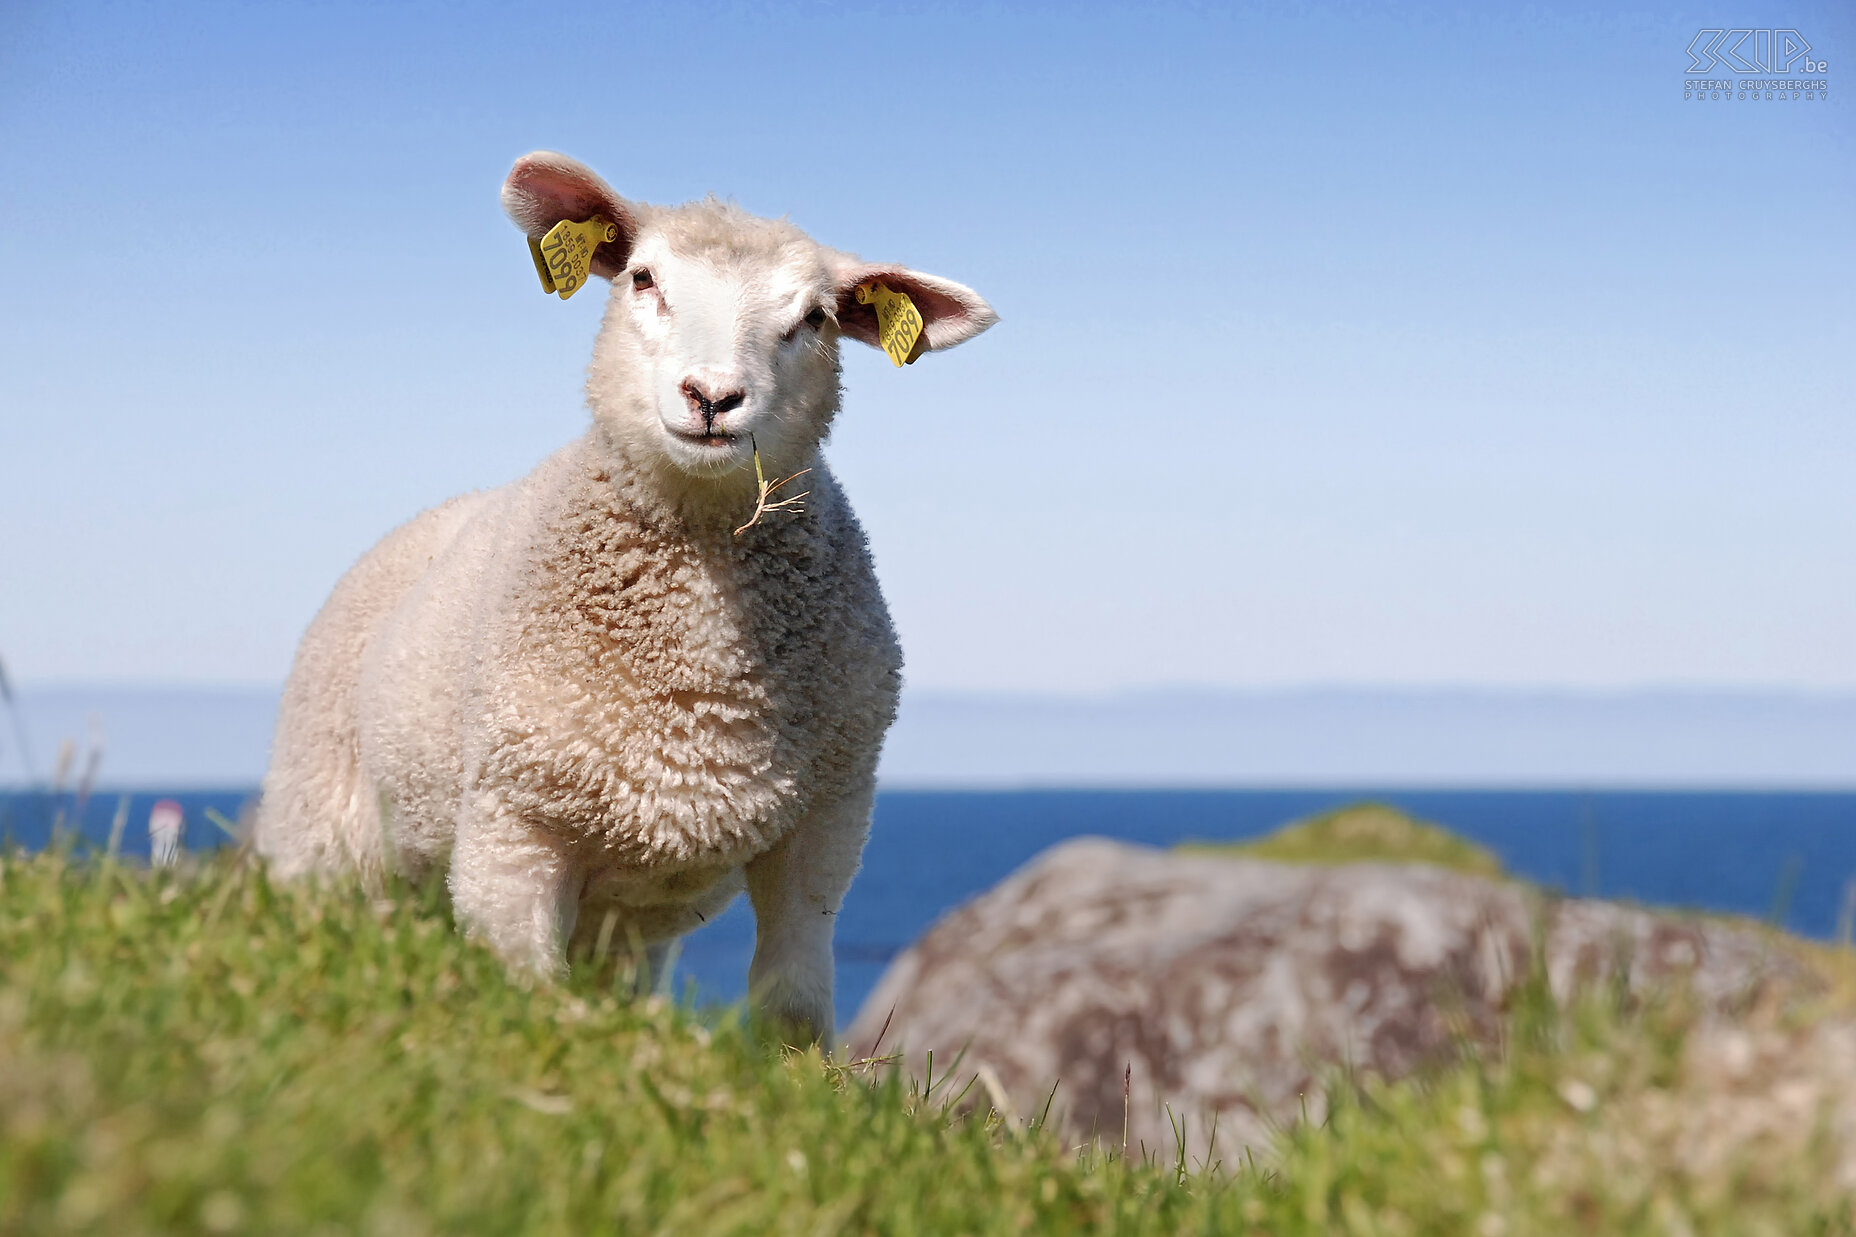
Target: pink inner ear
point(935, 306)
point(859, 321)
point(541, 191)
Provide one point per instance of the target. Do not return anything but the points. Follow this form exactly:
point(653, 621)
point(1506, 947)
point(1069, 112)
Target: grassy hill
point(1362, 833)
point(198, 1051)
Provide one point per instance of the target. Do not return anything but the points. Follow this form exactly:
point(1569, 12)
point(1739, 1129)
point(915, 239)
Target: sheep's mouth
point(707, 440)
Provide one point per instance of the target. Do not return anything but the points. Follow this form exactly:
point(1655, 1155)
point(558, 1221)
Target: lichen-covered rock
point(1228, 986)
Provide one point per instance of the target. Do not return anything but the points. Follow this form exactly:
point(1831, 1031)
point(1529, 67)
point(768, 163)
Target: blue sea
point(1786, 856)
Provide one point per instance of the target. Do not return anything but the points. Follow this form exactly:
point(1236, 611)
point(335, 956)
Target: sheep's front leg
point(797, 888)
point(514, 888)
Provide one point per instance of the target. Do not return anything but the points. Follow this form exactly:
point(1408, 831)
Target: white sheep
point(583, 696)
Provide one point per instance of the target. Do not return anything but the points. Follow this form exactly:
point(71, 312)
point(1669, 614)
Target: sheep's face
point(720, 339)
point(721, 335)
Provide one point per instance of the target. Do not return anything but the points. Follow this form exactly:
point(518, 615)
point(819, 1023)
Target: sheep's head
point(722, 327)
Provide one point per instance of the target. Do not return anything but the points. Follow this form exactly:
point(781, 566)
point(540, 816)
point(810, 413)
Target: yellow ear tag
point(898, 322)
point(564, 257)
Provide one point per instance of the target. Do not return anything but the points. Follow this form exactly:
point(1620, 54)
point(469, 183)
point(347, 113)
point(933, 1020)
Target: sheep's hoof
point(793, 1026)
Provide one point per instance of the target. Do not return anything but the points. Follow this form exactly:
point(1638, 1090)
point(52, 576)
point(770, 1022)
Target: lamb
point(591, 699)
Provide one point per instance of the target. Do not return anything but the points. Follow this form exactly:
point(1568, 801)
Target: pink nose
point(708, 400)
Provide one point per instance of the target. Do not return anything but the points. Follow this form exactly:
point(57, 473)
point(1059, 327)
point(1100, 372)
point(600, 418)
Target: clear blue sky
point(1340, 345)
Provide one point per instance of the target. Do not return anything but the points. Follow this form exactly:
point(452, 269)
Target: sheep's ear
point(544, 188)
point(952, 313)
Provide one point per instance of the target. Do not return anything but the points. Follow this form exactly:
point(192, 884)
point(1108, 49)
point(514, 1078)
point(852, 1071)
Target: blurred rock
point(1229, 986)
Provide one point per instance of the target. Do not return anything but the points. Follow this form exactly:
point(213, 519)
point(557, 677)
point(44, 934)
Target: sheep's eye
point(816, 318)
point(641, 279)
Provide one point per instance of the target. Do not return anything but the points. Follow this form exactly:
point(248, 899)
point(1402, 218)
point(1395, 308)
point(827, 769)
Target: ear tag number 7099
point(564, 257)
point(898, 322)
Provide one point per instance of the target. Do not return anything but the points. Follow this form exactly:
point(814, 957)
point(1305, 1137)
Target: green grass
point(202, 1052)
point(1362, 833)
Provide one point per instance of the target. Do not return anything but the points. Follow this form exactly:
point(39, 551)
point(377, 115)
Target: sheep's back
point(319, 809)
point(415, 700)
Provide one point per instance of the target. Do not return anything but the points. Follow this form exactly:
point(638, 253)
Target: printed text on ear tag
point(898, 322)
point(564, 257)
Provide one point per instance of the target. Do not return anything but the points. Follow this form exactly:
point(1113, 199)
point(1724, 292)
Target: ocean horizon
point(1739, 802)
point(1471, 738)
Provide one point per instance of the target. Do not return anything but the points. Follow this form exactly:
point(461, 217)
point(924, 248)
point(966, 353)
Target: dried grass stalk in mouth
point(793, 505)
